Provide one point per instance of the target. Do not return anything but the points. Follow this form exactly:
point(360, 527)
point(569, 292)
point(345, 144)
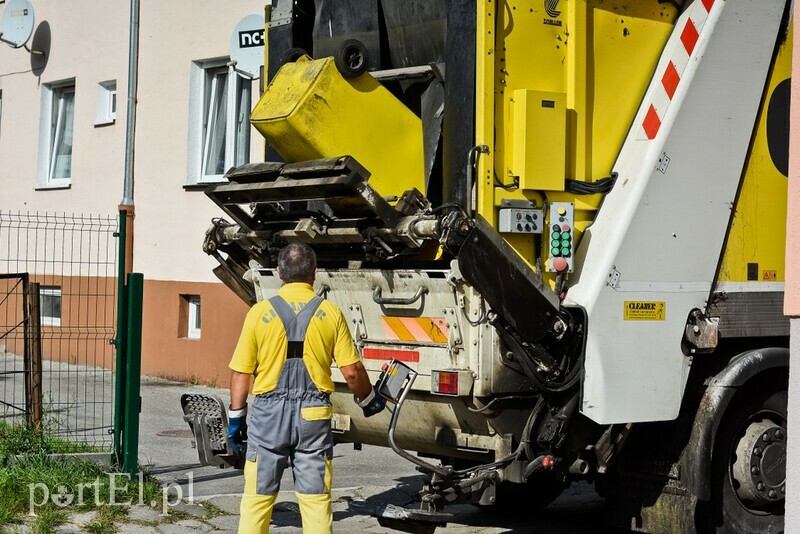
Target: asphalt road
point(374, 473)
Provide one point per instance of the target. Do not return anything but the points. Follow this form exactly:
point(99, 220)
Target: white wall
point(90, 44)
point(87, 43)
point(171, 222)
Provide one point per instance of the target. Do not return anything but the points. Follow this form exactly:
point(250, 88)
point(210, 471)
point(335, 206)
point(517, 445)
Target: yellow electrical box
point(540, 139)
point(310, 111)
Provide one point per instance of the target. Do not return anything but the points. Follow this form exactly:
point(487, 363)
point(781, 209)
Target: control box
point(519, 217)
point(561, 234)
point(520, 221)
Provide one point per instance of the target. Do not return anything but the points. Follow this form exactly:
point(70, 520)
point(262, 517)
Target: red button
point(565, 228)
point(560, 264)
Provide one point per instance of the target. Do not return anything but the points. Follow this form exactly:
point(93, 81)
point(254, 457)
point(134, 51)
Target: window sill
point(104, 122)
point(52, 187)
point(201, 186)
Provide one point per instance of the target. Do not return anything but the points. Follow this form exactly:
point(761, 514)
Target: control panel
point(519, 217)
point(561, 233)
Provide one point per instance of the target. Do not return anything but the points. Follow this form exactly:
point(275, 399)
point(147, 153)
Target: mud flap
point(208, 421)
point(402, 519)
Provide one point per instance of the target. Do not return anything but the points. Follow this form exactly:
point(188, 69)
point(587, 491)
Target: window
point(55, 135)
point(189, 321)
point(194, 317)
point(106, 103)
point(220, 129)
point(50, 306)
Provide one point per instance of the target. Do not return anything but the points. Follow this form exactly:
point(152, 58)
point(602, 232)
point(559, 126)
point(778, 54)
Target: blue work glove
point(371, 404)
point(237, 429)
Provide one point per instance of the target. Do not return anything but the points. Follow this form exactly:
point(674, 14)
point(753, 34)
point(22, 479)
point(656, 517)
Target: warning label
point(636, 310)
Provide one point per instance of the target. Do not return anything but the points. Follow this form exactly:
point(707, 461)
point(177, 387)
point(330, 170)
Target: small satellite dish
point(247, 45)
point(17, 25)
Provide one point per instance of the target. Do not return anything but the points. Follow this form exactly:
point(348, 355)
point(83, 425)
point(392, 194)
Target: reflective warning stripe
point(670, 78)
point(371, 353)
point(425, 329)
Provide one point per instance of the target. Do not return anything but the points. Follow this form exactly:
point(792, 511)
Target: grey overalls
point(278, 432)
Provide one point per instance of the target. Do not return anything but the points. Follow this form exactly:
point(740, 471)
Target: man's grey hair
point(297, 262)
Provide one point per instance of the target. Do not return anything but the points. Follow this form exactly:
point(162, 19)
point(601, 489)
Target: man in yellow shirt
point(288, 343)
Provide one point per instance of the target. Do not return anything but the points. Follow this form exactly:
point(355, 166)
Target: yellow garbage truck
point(565, 219)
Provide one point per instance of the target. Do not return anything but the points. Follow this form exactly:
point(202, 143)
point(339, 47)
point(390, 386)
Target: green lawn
point(25, 467)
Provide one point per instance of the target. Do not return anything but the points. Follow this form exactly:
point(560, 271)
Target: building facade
point(62, 151)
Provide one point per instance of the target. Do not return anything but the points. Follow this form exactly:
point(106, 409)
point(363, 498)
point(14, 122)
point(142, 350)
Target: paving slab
point(193, 524)
point(145, 514)
point(131, 528)
point(227, 503)
point(225, 522)
point(82, 518)
point(190, 509)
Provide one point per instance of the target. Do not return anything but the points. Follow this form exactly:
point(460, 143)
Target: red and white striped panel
point(691, 28)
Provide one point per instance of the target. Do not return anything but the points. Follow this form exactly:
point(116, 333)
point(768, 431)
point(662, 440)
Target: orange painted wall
point(167, 352)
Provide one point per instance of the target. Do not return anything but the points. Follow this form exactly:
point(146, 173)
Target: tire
point(760, 408)
point(351, 58)
point(292, 55)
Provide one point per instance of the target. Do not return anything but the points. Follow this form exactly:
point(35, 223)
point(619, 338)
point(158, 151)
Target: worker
point(288, 343)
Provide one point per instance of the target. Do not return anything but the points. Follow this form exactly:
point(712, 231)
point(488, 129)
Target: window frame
point(50, 126)
point(50, 291)
point(194, 317)
point(106, 103)
point(203, 111)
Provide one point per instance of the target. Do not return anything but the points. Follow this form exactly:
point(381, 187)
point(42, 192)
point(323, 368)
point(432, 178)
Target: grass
point(24, 462)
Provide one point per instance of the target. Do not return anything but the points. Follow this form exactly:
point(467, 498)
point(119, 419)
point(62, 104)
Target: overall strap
point(295, 325)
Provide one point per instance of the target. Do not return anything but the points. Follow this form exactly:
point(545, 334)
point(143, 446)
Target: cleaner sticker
point(637, 310)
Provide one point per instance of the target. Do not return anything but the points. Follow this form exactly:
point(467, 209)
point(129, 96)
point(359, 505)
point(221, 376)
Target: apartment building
point(62, 151)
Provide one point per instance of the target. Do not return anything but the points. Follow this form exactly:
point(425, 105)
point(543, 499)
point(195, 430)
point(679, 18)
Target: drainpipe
point(127, 204)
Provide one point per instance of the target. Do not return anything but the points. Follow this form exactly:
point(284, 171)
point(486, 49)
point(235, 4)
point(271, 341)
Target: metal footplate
point(402, 519)
point(208, 419)
point(394, 384)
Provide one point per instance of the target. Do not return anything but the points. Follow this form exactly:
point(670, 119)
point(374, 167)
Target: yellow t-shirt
point(261, 350)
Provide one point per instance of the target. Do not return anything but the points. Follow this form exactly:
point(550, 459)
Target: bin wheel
point(292, 55)
point(351, 58)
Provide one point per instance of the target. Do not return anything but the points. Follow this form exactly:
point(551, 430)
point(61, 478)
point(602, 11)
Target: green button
point(554, 251)
point(565, 243)
point(556, 235)
point(566, 235)
point(565, 251)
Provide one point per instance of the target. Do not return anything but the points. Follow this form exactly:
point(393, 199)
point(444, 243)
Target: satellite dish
point(17, 25)
point(247, 45)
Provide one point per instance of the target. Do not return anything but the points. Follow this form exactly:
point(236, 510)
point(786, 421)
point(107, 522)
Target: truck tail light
point(444, 382)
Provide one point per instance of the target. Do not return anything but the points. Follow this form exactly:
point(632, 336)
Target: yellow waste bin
point(310, 111)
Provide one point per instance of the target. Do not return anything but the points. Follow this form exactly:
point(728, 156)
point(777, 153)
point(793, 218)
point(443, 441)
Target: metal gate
point(68, 264)
point(20, 381)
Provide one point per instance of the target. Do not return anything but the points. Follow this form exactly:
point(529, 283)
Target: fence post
point(120, 342)
point(33, 376)
point(133, 354)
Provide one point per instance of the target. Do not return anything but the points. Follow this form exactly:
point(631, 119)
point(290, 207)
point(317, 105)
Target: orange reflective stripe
point(396, 324)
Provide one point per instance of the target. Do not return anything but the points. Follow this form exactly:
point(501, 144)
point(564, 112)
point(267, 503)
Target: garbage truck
point(561, 222)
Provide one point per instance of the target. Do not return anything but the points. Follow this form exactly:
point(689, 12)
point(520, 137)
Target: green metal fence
point(128, 342)
point(70, 331)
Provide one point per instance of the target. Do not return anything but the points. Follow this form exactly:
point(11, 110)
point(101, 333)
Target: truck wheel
point(351, 58)
point(749, 468)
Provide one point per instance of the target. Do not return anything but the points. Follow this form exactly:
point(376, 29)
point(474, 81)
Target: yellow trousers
point(256, 510)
